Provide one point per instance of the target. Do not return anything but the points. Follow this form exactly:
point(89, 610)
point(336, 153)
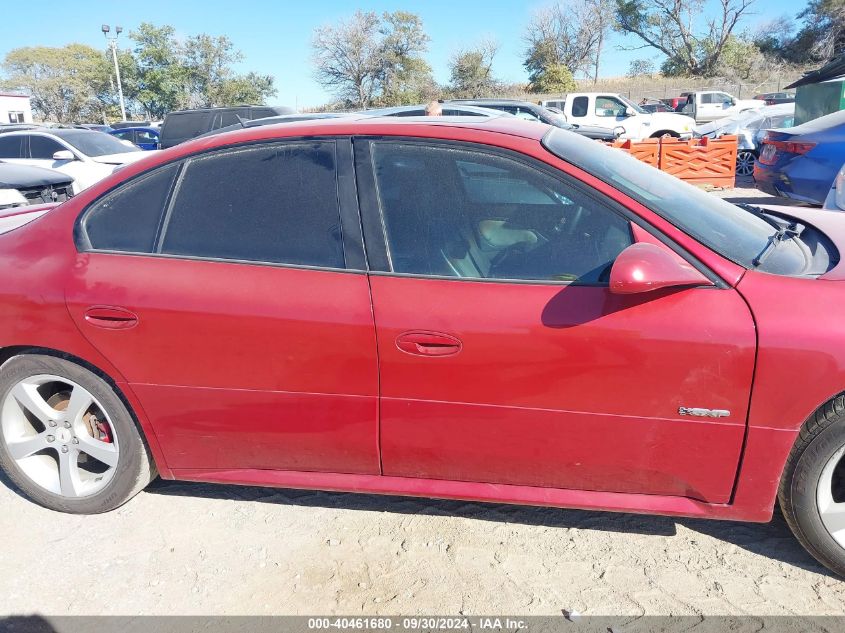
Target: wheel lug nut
point(52, 423)
point(64, 449)
point(67, 425)
point(51, 438)
point(76, 440)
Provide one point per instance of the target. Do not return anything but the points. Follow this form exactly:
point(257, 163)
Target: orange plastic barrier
point(647, 150)
point(698, 161)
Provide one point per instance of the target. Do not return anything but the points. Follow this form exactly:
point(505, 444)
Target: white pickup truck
point(617, 112)
point(710, 105)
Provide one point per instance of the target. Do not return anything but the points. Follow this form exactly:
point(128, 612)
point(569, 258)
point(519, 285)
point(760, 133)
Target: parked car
point(486, 309)
point(85, 156)
point(147, 138)
point(653, 107)
point(677, 103)
point(802, 162)
point(285, 118)
point(835, 200)
point(119, 125)
point(96, 127)
point(183, 125)
point(554, 104)
point(774, 98)
point(616, 111)
point(750, 127)
point(710, 105)
point(534, 112)
point(22, 185)
point(449, 109)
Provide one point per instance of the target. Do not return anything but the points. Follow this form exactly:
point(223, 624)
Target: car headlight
point(11, 198)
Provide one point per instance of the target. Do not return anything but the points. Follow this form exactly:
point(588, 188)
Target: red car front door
point(240, 316)
point(504, 357)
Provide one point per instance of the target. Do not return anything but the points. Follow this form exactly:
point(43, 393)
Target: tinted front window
point(127, 219)
point(274, 203)
point(458, 213)
point(43, 148)
point(95, 143)
point(727, 229)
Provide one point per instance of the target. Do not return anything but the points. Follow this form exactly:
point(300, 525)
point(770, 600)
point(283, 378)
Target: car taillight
point(790, 147)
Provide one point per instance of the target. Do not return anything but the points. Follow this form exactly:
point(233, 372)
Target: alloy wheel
point(59, 435)
point(745, 163)
point(830, 496)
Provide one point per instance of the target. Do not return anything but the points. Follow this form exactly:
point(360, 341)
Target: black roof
point(834, 69)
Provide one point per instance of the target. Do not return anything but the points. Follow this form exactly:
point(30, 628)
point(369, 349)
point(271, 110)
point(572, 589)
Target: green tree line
point(75, 83)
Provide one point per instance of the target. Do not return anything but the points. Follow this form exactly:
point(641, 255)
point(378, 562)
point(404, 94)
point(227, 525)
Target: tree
point(472, 71)
point(65, 84)
point(375, 59)
point(666, 25)
point(348, 58)
point(820, 38)
point(162, 82)
point(555, 78)
point(406, 76)
point(640, 68)
point(569, 36)
point(211, 79)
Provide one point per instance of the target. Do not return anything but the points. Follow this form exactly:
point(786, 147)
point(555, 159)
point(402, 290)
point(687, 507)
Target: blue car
point(802, 162)
point(146, 138)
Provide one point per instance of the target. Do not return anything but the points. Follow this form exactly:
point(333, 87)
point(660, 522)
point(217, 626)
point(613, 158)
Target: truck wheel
point(665, 133)
point(66, 439)
point(812, 489)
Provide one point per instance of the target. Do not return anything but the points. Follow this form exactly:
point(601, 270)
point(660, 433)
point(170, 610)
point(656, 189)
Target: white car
point(84, 155)
point(835, 200)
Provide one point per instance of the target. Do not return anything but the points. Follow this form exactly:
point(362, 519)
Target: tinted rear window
point(127, 219)
point(274, 203)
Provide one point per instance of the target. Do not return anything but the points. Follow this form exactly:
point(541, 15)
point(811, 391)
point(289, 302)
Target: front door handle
point(421, 343)
point(111, 317)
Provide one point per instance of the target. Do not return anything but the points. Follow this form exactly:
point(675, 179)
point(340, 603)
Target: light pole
point(113, 45)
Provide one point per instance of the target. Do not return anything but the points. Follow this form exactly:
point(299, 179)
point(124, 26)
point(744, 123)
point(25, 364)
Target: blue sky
point(275, 36)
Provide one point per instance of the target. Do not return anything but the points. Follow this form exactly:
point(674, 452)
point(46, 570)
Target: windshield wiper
point(783, 233)
point(760, 213)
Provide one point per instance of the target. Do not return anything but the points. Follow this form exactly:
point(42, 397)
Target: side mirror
point(629, 111)
point(644, 267)
point(64, 154)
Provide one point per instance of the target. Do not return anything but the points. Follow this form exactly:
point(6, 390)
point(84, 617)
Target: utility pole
point(113, 45)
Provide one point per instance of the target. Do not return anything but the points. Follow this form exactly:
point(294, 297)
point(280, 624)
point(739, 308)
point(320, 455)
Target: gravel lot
point(183, 548)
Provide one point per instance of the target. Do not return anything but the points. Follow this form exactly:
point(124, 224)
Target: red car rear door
point(231, 295)
point(504, 357)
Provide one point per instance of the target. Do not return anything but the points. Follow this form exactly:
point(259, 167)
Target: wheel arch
point(122, 390)
point(660, 133)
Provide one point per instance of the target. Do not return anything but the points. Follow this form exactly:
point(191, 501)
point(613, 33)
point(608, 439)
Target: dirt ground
point(183, 548)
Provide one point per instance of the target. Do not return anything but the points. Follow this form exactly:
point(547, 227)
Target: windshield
point(727, 229)
point(95, 143)
point(633, 105)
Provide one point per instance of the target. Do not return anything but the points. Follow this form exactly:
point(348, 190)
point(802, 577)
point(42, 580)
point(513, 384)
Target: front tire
point(67, 441)
point(812, 489)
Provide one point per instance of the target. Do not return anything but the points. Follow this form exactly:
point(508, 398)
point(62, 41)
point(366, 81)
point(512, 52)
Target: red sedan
point(491, 310)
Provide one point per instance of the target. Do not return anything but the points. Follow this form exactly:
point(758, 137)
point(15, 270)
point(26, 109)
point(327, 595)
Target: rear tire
point(662, 133)
point(67, 441)
point(812, 489)
point(745, 161)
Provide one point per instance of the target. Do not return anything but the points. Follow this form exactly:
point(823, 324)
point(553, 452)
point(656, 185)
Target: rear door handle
point(420, 343)
point(111, 317)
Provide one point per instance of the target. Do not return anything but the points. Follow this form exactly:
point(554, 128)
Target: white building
point(15, 108)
